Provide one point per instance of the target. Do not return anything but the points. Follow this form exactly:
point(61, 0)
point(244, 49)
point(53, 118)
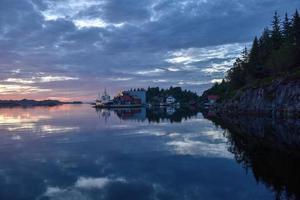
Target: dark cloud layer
point(108, 43)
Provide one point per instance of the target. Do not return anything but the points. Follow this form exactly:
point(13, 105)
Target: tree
point(254, 53)
point(236, 74)
point(296, 34)
point(286, 54)
point(296, 27)
point(276, 32)
point(276, 53)
point(287, 30)
point(265, 43)
point(245, 55)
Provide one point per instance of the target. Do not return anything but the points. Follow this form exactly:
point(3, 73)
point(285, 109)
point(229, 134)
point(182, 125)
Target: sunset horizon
point(149, 99)
point(73, 50)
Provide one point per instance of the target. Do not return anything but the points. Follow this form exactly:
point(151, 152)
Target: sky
point(73, 49)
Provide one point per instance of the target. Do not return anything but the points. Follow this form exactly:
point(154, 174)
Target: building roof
point(170, 97)
point(212, 97)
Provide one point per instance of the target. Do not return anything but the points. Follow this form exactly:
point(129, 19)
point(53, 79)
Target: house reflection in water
point(156, 115)
point(138, 114)
point(135, 114)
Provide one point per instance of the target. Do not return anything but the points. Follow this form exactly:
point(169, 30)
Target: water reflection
point(19, 121)
point(73, 152)
point(33, 119)
point(269, 148)
point(158, 114)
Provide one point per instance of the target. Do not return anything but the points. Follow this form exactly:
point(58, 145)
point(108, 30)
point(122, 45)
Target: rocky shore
point(281, 98)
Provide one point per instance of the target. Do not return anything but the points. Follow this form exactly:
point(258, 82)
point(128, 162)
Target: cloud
point(120, 79)
point(90, 183)
point(57, 193)
point(41, 79)
point(192, 55)
point(150, 72)
point(190, 146)
point(46, 79)
point(20, 89)
point(98, 183)
point(66, 9)
point(216, 80)
point(51, 191)
point(80, 188)
point(192, 41)
point(219, 67)
point(87, 23)
point(19, 80)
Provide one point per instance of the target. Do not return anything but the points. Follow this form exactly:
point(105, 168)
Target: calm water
point(76, 152)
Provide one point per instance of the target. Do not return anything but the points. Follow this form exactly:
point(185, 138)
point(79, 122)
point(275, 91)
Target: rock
point(278, 99)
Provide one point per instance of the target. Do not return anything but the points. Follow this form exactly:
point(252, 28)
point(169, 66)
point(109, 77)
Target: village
point(132, 98)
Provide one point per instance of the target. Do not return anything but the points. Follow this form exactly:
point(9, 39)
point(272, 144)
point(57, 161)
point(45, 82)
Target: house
point(170, 110)
point(129, 98)
point(212, 99)
point(139, 93)
point(170, 100)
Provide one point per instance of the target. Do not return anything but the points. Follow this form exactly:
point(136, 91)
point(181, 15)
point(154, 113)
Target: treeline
point(161, 114)
point(275, 53)
point(156, 95)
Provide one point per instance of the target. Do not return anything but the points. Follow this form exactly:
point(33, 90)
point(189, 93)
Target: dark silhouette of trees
point(296, 35)
point(287, 30)
point(276, 34)
point(155, 95)
point(276, 53)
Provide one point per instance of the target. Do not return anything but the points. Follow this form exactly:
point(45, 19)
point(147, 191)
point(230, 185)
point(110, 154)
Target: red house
point(212, 99)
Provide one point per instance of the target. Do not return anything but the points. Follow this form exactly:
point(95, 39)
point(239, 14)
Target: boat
point(103, 100)
point(121, 101)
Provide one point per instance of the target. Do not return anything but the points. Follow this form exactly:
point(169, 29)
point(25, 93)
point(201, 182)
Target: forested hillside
point(275, 54)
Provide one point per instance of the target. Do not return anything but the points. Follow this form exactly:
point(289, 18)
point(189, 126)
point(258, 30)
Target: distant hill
point(31, 103)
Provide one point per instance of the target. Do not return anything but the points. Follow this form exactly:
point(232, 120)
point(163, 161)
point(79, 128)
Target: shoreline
point(276, 113)
point(26, 103)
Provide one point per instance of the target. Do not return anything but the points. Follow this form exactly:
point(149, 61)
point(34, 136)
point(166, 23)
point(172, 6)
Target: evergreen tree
point(265, 42)
point(236, 74)
point(296, 33)
point(245, 55)
point(254, 53)
point(287, 30)
point(286, 54)
point(276, 32)
point(275, 54)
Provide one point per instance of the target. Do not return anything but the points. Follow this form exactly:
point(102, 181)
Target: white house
point(170, 110)
point(170, 100)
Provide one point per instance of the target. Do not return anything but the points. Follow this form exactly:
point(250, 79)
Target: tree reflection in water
point(269, 148)
point(153, 115)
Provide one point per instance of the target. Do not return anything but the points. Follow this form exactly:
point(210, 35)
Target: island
point(32, 103)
